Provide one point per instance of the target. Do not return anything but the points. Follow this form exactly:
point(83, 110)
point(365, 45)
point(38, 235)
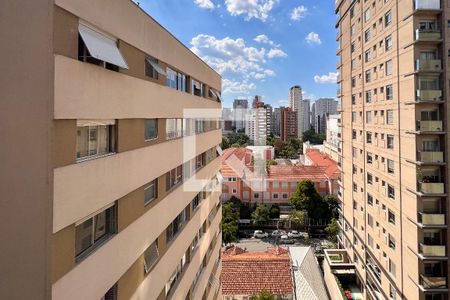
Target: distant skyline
point(260, 47)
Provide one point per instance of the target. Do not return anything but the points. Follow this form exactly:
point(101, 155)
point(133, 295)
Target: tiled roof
point(297, 172)
point(247, 273)
point(323, 160)
point(234, 160)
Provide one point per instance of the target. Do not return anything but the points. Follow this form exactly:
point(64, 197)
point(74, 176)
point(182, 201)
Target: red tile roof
point(247, 273)
point(296, 172)
point(323, 160)
point(234, 160)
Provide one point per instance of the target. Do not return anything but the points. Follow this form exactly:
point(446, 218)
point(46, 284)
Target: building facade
point(276, 125)
point(258, 122)
point(303, 115)
point(289, 127)
point(240, 107)
point(111, 205)
point(322, 108)
point(332, 143)
point(295, 97)
point(394, 196)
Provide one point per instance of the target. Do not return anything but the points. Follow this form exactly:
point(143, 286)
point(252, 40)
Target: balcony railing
point(431, 219)
point(430, 156)
point(431, 187)
point(428, 35)
point(429, 95)
point(435, 125)
point(432, 250)
point(427, 4)
point(433, 282)
point(428, 65)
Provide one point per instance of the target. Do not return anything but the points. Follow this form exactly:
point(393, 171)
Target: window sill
point(150, 140)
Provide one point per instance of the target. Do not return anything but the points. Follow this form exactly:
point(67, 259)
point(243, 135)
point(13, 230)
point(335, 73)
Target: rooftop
point(247, 273)
point(321, 160)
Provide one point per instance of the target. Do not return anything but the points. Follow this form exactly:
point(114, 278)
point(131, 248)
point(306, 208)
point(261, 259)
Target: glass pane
point(150, 192)
point(100, 226)
point(151, 129)
point(103, 139)
point(92, 140)
point(83, 236)
point(82, 141)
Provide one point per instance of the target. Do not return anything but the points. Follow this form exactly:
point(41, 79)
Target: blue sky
point(260, 47)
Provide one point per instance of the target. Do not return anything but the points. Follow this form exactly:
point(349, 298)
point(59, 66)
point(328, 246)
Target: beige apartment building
point(393, 58)
point(100, 198)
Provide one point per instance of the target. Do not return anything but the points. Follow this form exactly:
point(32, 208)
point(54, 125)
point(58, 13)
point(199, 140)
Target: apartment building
point(258, 122)
point(295, 97)
point(332, 143)
point(289, 128)
point(323, 107)
point(303, 116)
point(99, 197)
point(240, 108)
point(393, 58)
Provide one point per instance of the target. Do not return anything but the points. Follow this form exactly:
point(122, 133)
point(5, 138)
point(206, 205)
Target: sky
point(260, 47)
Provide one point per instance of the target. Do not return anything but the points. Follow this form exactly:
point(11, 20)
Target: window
point(368, 117)
point(197, 200)
point(95, 138)
point(175, 275)
point(275, 184)
point(199, 126)
point(368, 76)
point(353, 81)
point(177, 224)
point(174, 128)
point(369, 158)
point(369, 178)
point(389, 67)
point(284, 184)
point(388, 43)
point(392, 292)
point(353, 116)
point(388, 18)
point(92, 232)
point(200, 161)
point(256, 195)
point(352, 30)
point(368, 96)
point(389, 92)
point(151, 192)
point(390, 141)
point(367, 56)
point(369, 137)
point(391, 191)
point(285, 195)
point(391, 217)
point(369, 199)
point(96, 48)
point(389, 116)
point(352, 47)
point(152, 68)
point(370, 220)
point(111, 294)
point(390, 166)
point(176, 80)
point(353, 99)
point(151, 255)
point(197, 88)
point(367, 35)
point(174, 177)
point(391, 242)
point(151, 129)
point(366, 15)
point(354, 134)
point(275, 196)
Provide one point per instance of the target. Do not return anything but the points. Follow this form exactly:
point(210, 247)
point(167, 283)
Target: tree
point(332, 230)
point(306, 198)
point(261, 214)
point(229, 223)
point(274, 212)
point(333, 204)
point(263, 295)
point(313, 137)
point(298, 217)
point(225, 143)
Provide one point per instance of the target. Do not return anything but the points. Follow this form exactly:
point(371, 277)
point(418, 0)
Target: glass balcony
point(428, 95)
point(430, 35)
point(427, 4)
point(432, 125)
point(430, 156)
point(433, 282)
point(428, 65)
point(432, 250)
point(431, 218)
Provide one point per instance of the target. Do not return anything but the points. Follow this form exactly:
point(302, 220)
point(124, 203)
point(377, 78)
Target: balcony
point(431, 187)
point(432, 250)
point(430, 156)
point(433, 282)
point(430, 126)
point(428, 65)
point(428, 95)
point(430, 219)
point(429, 36)
point(427, 4)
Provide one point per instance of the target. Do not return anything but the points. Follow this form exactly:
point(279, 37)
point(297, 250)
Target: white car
point(260, 234)
point(295, 234)
point(276, 233)
point(284, 237)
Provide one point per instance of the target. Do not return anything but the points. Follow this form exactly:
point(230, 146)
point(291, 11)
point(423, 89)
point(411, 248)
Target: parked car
point(286, 240)
point(276, 233)
point(260, 234)
point(295, 234)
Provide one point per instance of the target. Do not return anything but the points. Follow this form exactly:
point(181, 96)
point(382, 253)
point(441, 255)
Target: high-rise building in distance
point(303, 116)
point(295, 96)
point(394, 205)
point(322, 108)
point(240, 107)
point(289, 128)
point(98, 198)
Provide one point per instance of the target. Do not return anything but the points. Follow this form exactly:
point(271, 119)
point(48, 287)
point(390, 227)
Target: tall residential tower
point(393, 58)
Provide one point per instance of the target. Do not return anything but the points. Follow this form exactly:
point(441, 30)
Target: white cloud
point(307, 95)
point(276, 53)
point(264, 39)
point(236, 87)
point(282, 102)
point(207, 4)
point(298, 13)
point(262, 75)
point(313, 38)
point(330, 78)
point(258, 9)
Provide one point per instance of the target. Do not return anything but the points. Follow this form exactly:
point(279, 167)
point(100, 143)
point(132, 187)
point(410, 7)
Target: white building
point(240, 107)
point(322, 108)
point(257, 125)
point(332, 143)
point(303, 112)
point(295, 96)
